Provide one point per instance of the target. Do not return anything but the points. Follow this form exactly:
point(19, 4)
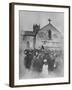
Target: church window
point(49, 34)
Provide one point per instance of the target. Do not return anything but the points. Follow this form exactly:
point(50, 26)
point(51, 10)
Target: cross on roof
point(49, 20)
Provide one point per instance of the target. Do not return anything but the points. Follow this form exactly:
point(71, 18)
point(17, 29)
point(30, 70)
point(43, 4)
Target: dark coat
point(27, 60)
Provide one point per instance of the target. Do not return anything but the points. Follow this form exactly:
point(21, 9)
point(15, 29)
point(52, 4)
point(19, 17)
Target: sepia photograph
point(39, 44)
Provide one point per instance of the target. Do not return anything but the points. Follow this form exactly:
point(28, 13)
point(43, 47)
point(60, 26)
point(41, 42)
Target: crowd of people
point(35, 59)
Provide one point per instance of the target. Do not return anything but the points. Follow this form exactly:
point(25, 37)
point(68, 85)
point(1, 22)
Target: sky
point(28, 18)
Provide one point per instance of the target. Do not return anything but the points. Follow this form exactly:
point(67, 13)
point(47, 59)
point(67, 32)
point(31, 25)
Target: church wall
point(30, 40)
point(43, 36)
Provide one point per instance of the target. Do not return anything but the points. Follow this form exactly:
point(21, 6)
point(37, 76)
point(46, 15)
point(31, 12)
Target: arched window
point(49, 34)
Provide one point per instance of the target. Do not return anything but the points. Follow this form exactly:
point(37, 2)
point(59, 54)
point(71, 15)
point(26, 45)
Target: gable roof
point(51, 27)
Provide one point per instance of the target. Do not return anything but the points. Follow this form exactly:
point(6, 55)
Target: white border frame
point(16, 45)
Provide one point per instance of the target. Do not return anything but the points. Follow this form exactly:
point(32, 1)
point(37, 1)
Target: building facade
point(47, 36)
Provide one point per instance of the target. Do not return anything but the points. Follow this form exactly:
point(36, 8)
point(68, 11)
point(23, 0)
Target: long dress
point(27, 60)
point(37, 63)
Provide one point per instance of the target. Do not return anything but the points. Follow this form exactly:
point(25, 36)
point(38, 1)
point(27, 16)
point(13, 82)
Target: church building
point(48, 36)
